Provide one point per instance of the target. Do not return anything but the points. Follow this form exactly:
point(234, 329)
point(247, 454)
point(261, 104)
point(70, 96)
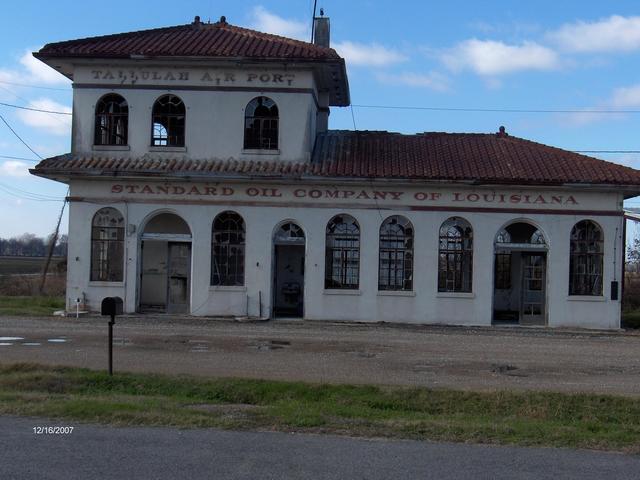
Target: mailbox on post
point(111, 306)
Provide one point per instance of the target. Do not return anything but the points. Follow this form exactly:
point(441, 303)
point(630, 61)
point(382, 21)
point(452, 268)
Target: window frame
point(274, 142)
point(179, 138)
point(111, 122)
point(347, 245)
point(588, 284)
point(399, 258)
point(502, 271)
point(455, 253)
point(109, 270)
point(226, 249)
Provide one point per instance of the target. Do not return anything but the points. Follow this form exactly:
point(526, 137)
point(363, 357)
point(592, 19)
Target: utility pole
point(52, 245)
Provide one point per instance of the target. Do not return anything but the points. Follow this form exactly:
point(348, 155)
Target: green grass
point(24, 265)
point(541, 418)
point(30, 306)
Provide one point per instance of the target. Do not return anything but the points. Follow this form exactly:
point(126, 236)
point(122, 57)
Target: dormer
point(200, 91)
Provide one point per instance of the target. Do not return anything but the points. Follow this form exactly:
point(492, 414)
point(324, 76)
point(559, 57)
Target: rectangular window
point(107, 254)
point(503, 271)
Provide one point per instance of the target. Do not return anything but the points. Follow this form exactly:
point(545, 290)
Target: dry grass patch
point(527, 418)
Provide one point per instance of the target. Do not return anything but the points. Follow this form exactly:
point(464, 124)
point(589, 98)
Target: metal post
point(111, 344)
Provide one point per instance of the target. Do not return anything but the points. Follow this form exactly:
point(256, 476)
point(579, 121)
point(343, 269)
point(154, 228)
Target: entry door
point(179, 277)
point(533, 289)
point(289, 280)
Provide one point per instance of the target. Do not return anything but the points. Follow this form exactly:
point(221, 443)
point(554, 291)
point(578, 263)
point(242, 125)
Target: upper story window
point(112, 120)
point(168, 119)
point(261, 124)
point(395, 266)
point(227, 247)
point(586, 259)
point(455, 266)
point(342, 265)
point(107, 245)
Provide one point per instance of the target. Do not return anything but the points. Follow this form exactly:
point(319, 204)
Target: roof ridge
point(221, 25)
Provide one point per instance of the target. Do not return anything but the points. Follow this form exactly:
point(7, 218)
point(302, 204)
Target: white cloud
point(587, 117)
point(14, 168)
point(489, 57)
point(612, 34)
point(626, 97)
point(621, 98)
point(33, 72)
point(265, 21)
point(432, 80)
point(371, 55)
point(52, 123)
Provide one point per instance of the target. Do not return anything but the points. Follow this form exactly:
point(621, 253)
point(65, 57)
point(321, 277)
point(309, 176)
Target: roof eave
point(630, 190)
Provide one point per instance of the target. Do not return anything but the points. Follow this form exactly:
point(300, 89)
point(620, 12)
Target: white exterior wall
point(214, 118)
point(423, 305)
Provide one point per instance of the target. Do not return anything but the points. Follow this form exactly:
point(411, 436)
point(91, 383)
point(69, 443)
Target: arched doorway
point(520, 280)
point(165, 274)
point(288, 270)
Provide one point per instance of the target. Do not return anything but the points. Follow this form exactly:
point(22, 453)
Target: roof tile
point(215, 40)
point(483, 158)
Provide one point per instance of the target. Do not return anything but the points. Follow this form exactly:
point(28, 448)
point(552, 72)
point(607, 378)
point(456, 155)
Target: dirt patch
point(442, 357)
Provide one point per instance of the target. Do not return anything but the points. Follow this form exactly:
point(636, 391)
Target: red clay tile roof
point(445, 157)
point(212, 40)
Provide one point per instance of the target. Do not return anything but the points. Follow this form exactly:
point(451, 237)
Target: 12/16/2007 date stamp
point(45, 430)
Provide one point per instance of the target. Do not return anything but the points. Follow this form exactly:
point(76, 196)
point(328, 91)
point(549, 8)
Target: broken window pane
point(228, 248)
point(111, 120)
point(261, 124)
point(168, 122)
point(107, 246)
point(342, 265)
point(395, 265)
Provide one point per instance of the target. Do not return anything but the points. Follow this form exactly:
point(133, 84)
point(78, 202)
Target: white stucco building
point(203, 179)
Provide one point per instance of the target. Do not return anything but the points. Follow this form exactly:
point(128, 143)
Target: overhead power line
point(34, 109)
point(20, 138)
point(606, 151)
point(28, 85)
point(9, 157)
point(495, 110)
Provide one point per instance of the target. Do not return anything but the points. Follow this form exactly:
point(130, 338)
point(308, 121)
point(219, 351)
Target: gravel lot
point(446, 357)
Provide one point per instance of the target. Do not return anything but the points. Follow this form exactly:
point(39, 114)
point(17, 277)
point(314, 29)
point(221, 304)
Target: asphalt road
point(97, 452)
point(450, 357)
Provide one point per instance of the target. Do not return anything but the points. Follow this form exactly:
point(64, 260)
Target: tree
point(633, 255)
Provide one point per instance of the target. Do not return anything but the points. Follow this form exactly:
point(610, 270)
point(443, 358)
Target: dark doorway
point(288, 271)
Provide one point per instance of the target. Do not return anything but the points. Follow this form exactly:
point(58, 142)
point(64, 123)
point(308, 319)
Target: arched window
point(168, 120)
point(107, 246)
point(395, 267)
point(342, 265)
point(261, 124)
point(586, 259)
point(455, 264)
point(227, 249)
point(112, 120)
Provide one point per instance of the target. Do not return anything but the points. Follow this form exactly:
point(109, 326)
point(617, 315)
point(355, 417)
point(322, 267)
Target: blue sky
point(543, 55)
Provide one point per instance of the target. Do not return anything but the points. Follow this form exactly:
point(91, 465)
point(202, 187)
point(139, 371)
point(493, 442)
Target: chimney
point(321, 34)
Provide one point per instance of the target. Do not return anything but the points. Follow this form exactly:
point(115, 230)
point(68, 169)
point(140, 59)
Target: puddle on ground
point(57, 340)
point(199, 349)
point(199, 346)
point(31, 344)
point(10, 339)
point(270, 344)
